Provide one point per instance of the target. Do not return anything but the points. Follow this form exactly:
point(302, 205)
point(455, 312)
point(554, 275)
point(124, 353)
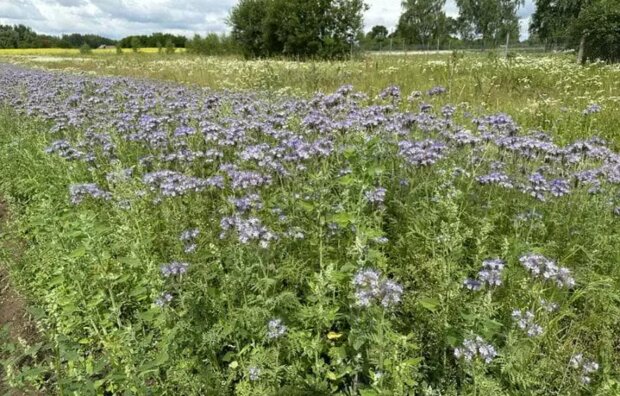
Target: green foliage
point(212, 44)
point(422, 21)
point(297, 28)
point(491, 19)
point(599, 25)
point(246, 20)
point(378, 33)
point(150, 41)
point(552, 20)
point(93, 270)
point(568, 23)
point(170, 47)
point(136, 44)
point(20, 36)
point(85, 49)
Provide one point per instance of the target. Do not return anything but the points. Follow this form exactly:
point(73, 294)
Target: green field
point(449, 224)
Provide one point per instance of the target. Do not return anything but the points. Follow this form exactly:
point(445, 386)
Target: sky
point(120, 18)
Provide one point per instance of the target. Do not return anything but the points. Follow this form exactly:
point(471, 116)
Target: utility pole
point(507, 41)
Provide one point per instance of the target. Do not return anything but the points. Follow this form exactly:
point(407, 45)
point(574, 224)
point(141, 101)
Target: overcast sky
point(119, 18)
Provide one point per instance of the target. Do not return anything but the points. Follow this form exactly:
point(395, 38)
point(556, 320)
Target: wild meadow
point(394, 225)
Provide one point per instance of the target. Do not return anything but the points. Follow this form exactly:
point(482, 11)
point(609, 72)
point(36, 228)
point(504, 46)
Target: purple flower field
point(189, 240)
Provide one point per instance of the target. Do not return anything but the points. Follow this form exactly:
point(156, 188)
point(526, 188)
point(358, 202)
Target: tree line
point(334, 29)
point(20, 36)
point(592, 27)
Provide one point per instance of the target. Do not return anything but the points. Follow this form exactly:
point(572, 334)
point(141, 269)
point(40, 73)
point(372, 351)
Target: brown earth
point(13, 312)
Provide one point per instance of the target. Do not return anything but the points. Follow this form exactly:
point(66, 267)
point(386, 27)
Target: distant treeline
point(213, 44)
point(154, 40)
point(20, 36)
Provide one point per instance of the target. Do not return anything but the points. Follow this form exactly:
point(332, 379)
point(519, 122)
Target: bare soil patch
point(12, 306)
point(13, 312)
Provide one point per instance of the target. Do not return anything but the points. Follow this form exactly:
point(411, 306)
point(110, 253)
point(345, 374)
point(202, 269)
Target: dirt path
point(13, 313)
point(12, 307)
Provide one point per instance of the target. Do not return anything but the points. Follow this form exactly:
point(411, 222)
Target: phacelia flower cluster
point(490, 275)
point(188, 237)
point(371, 287)
point(376, 196)
point(473, 348)
point(174, 268)
point(275, 329)
point(163, 300)
point(525, 321)
point(541, 267)
point(585, 367)
point(79, 192)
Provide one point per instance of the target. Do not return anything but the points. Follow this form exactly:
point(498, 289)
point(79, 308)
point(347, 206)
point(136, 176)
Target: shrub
point(85, 49)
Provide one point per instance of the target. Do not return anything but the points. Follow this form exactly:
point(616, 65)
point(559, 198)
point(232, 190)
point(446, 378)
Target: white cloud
point(118, 18)
point(19, 10)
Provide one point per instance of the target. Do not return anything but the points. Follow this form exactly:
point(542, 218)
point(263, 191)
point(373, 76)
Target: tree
point(85, 49)
point(9, 38)
point(552, 20)
point(492, 20)
point(422, 21)
point(212, 44)
point(378, 33)
point(170, 47)
point(591, 26)
point(247, 19)
point(298, 28)
point(597, 29)
point(135, 44)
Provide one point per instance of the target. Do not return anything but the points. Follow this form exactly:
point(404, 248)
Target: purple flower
point(472, 284)
point(490, 275)
point(559, 187)
point(498, 178)
point(189, 235)
point(275, 329)
point(473, 348)
point(390, 92)
point(438, 90)
point(174, 268)
point(254, 374)
point(592, 109)
point(541, 267)
point(584, 366)
point(370, 287)
point(78, 192)
point(163, 300)
point(525, 321)
point(376, 196)
point(423, 153)
point(250, 229)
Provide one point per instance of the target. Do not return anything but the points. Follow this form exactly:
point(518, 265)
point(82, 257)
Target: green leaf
point(342, 219)
point(79, 252)
point(429, 303)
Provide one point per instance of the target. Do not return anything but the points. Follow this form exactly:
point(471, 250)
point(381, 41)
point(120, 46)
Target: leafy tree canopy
point(299, 28)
